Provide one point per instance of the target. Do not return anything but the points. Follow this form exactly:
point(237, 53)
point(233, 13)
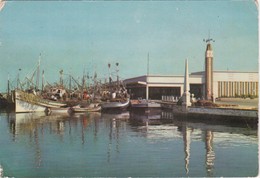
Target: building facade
point(225, 84)
point(207, 84)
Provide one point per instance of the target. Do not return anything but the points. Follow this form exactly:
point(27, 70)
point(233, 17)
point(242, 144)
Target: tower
point(186, 94)
point(208, 71)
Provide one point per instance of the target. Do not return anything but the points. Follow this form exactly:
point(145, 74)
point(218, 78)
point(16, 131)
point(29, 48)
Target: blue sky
point(73, 35)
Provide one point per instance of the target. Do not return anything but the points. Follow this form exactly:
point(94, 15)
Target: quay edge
point(233, 112)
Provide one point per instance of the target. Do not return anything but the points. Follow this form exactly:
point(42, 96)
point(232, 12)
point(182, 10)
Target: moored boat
point(116, 104)
point(144, 104)
point(51, 111)
point(29, 102)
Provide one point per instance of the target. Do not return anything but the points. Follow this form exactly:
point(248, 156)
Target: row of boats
point(25, 101)
point(111, 95)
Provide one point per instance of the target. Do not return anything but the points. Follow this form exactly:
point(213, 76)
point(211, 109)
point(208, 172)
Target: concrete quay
point(224, 110)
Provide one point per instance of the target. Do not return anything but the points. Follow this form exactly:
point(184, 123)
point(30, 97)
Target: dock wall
point(212, 111)
point(224, 112)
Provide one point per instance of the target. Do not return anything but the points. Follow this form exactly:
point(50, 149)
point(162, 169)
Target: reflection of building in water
point(210, 155)
point(187, 141)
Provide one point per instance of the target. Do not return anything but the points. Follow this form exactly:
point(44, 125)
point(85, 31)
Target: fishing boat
point(29, 102)
point(115, 104)
point(115, 97)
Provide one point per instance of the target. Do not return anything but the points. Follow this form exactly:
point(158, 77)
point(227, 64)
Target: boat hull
point(115, 105)
point(28, 102)
point(78, 110)
point(144, 104)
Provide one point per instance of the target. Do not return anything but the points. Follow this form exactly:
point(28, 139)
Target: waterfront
point(124, 145)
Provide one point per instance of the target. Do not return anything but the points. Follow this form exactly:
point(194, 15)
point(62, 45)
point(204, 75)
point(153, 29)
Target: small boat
point(144, 104)
point(51, 111)
point(93, 107)
point(116, 104)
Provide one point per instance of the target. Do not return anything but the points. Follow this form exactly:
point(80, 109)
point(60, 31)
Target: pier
point(239, 111)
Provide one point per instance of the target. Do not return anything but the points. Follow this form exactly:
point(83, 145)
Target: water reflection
point(187, 141)
point(186, 125)
point(109, 132)
point(116, 123)
point(32, 125)
point(210, 155)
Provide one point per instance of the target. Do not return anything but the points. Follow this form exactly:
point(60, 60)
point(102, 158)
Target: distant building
point(205, 84)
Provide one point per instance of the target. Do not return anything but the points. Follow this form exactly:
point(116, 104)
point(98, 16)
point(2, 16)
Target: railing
point(170, 98)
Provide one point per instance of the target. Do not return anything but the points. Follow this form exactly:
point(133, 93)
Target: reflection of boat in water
point(29, 102)
point(138, 116)
point(26, 117)
point(28, 122)
point(120, 116)
point(152, 117)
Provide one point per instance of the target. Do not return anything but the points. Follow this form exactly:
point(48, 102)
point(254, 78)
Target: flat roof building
point(225, 84)
point(206, 84)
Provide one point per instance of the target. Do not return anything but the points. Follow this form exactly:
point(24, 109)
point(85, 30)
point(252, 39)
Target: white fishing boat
point(29, 102)
point(116, 96)
point(117, 104)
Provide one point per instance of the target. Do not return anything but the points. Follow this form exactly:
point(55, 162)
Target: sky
point(78, 36)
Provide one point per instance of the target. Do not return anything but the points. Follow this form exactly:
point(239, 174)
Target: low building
point(206, 84)
point(226, 84)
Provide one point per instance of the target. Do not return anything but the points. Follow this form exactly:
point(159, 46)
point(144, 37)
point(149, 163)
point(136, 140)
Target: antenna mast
point(148, 64)
point(209, 39)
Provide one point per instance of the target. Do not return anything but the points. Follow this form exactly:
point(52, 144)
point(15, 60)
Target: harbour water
point(124, 145)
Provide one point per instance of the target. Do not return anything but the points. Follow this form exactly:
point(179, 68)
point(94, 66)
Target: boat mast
point(147, 77)
point(38, 73)
point(61, 77)
point(42, 80)
point(18, 78)
point(8, 86)
point(117, 77)
point(70, 84)
point(83, 83)
point(110, 78)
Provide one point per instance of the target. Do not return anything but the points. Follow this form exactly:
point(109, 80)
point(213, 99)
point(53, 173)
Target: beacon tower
point(209, 71)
